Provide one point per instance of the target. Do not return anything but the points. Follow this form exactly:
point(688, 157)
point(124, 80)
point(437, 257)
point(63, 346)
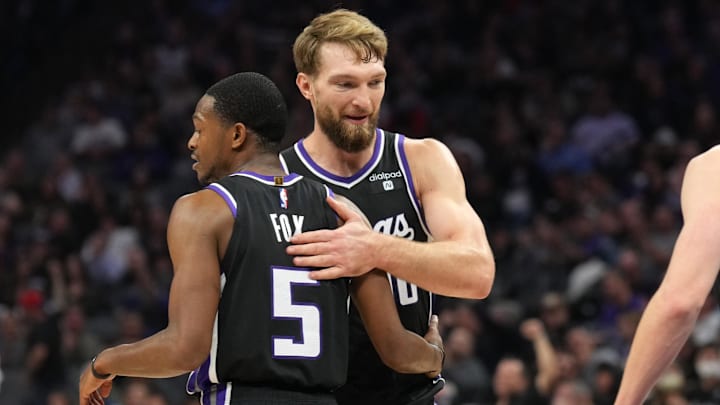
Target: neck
point(333, 159)
point(267, 164)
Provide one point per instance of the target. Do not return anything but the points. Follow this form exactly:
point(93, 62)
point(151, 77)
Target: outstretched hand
point(433, 337)
point(342, 252)
point(92, 391)
point(532, 329)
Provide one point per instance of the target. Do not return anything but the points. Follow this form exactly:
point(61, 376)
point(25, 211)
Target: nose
point(192, 142)
point(362, 99)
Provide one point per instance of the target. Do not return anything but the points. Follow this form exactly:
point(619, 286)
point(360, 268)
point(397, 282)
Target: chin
point(203, 180)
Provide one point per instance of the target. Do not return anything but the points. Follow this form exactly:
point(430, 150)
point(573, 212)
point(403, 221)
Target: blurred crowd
point(572, 123)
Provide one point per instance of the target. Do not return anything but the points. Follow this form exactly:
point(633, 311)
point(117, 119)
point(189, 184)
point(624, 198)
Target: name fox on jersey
point(284, 228)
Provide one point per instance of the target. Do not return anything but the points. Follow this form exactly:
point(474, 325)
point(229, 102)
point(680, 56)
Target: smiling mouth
point(358, 118)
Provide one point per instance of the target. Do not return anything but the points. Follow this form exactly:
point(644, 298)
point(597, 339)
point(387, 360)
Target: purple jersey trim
point(288, 179)
point(222, 192)
point(379, 139)
point(409, 178)
point(330, 193)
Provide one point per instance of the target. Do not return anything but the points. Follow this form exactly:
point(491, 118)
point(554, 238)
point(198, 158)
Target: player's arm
point(399, 348)
point(458, 262)
point(193, 231)
point(670, 315)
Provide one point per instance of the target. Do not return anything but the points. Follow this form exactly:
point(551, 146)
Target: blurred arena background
point(572, 123)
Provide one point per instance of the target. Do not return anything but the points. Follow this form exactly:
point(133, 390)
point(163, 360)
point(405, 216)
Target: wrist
point(95, 373)
point(380, 243)
point(442, 353)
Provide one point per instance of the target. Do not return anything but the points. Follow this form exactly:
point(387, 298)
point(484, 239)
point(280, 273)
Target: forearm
point(450, 268)
point(662, 332)
point(547, 363)
point(159, 356)
point(411, 354)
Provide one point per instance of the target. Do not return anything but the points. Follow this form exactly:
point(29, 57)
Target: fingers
point(105, 389)
point(433, 334)
point(96, 398)
point(433, 322)
point(321, 235)
point(342, 210)
point(330, 273)
point(307, 249)
point(314, 261)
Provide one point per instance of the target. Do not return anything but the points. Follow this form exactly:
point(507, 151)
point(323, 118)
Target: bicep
point(448, 214)
point(696, 256)
point(695, 260)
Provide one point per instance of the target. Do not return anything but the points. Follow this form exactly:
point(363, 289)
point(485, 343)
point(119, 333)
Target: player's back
point(275, 327)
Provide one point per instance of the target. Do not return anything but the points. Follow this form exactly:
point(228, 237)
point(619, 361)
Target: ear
point(303, 83)
point(239, 135)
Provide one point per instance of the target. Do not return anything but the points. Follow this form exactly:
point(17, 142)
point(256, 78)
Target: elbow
point(401, 364)
point(189, 360)
point(190, 353)
point(682, 308)
point(398, 358)
point(390, 356)
point(486, 276)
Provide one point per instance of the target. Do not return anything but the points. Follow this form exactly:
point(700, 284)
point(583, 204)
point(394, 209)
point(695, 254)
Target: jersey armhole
point(226, 196)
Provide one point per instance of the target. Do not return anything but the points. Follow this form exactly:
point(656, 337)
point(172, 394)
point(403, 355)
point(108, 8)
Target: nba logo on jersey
point(283, 198)
point(388, 185)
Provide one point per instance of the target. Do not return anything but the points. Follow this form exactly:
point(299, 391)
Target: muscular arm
point(399, 349)
point(671, 313)
point(458, 262)
point(193, 241)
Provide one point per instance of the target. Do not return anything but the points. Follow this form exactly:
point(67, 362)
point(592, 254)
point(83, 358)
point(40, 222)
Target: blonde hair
point(341, 26)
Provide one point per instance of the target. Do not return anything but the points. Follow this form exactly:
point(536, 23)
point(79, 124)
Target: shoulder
point(698, 194)
point(710, 159)
point(433, 166)
point(426, 148)
point(200, 200)
point(200, 209)
point(704, 166)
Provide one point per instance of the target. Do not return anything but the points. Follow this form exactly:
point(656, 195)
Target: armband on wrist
point(106, 376)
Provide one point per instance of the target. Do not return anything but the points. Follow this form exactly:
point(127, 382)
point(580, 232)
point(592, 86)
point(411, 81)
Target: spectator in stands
point(515, 384)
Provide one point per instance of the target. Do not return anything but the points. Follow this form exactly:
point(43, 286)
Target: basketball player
point(273, 335)
point(411, 190)
point(670, 315)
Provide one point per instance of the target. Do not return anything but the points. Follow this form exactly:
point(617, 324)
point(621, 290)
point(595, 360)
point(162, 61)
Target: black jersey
point(275, 327)
point(383, 189)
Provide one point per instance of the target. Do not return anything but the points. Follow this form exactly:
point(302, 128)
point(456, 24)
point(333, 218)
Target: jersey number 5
point(308, 345)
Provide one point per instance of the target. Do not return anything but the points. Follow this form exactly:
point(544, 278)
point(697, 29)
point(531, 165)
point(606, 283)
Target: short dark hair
point(254, 100)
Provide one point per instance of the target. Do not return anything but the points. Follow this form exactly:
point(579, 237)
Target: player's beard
point(348, 137)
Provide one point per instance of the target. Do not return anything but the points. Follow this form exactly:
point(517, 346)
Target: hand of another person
point(92, 390)
point(341, 252)
point(433, 337)
point(532, 329)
